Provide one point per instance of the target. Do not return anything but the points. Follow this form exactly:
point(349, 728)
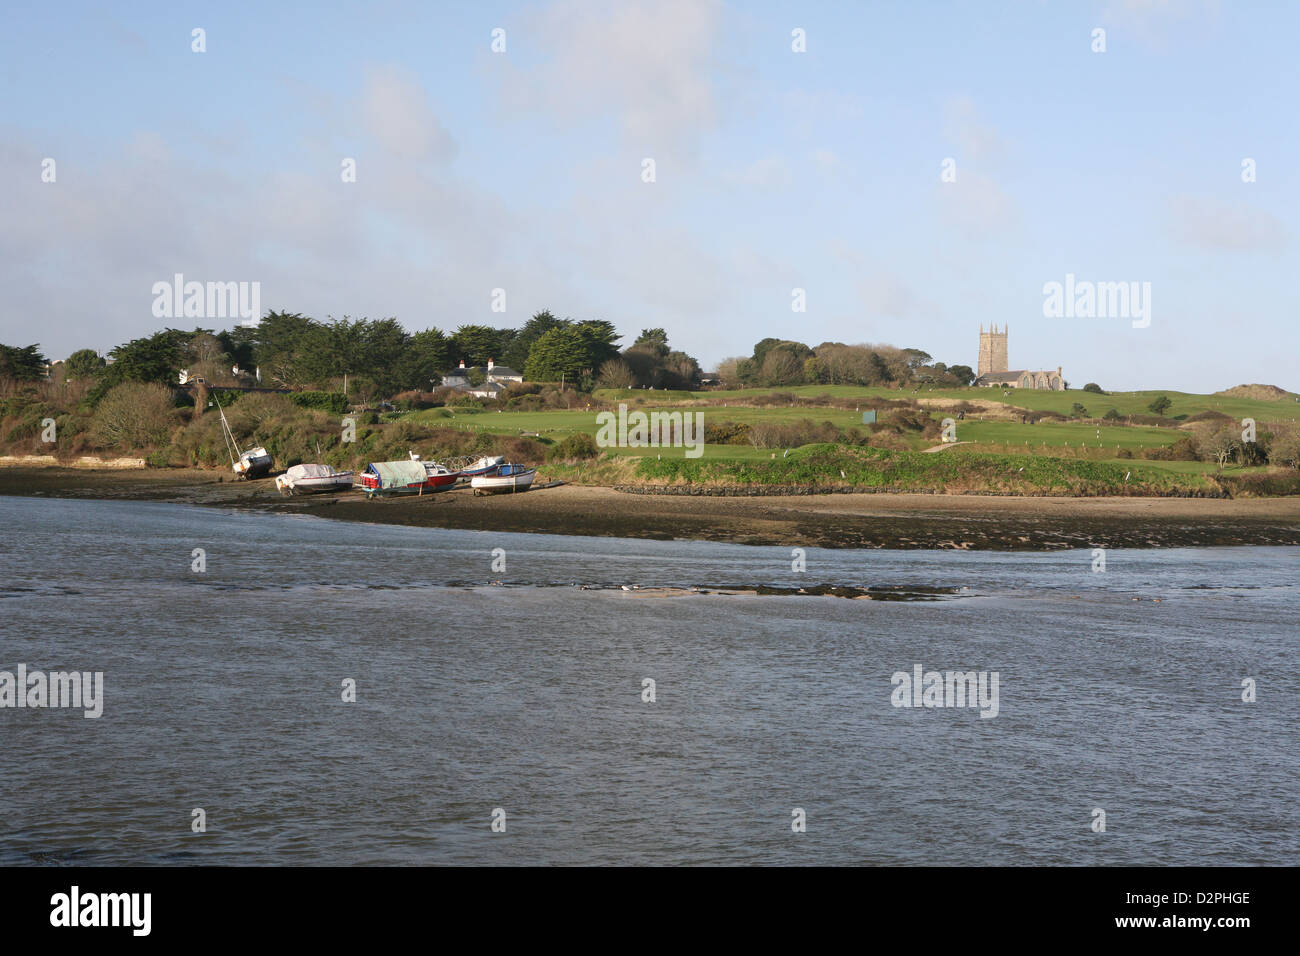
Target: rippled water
point(223, 691)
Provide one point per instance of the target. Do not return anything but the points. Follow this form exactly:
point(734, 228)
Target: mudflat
point(973, 522)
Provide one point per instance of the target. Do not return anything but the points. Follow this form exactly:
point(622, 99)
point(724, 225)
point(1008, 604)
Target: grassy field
point(1083, 444)
point(1125, 403)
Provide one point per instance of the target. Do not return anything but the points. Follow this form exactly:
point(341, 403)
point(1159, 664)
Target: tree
point(278, 347)
point(616, 373)
point(424, 359)
point(598, 338)
point(476, 344)
point(156, 358)
point(1079, 411)
point(963, 373)
point(83, 364)
point(515, 354)
point(1160, 405)
point(1284, 449)
point(561, 352)
point(25, 364)
point(1093, 387)
point(1222, 443)
point(729, 372)
point(652, 340)
point(915, 358)
point(781, 366)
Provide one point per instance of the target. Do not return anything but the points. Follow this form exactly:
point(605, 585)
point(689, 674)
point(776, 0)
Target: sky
point(774, 170)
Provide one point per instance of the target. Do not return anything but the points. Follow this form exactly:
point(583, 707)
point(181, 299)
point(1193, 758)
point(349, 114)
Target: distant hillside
point(1260, 393)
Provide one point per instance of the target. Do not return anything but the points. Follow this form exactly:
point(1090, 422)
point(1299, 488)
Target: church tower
point(993, 350)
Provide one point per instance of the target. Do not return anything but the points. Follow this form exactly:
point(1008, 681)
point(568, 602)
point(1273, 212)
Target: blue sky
point(775, 170)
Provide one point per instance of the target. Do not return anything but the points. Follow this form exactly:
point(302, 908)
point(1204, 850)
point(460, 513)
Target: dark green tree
point(515, 354)
point(83, 364)
point(475, 344)
point(560, 352)
point(22, 364)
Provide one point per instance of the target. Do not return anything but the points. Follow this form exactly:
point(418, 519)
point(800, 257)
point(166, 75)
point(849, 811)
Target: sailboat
point(253, 463)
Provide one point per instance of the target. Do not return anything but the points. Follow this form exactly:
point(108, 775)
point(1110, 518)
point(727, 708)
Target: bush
point(726, 433)
point(1112, 416)
point(334, 402)
point(134, 415)
point(578, 446)
point(1182, 450)
point(792, 435)
point(1094, 388)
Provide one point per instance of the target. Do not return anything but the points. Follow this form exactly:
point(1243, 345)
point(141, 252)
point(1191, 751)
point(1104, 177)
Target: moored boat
point(507, 478)
point(487, 465)
point(253, 463)
point(404, 477)
point(310, 479)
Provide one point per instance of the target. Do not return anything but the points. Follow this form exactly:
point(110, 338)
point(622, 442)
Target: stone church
point(993, 371)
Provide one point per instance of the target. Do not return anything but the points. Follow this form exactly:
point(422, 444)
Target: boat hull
point(311, 486)
point(508, 480)
point(253, 464)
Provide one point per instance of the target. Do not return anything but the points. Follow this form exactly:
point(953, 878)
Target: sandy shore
point(835, 521)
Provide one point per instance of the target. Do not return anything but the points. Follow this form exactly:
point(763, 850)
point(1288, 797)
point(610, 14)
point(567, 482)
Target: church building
point(994, 373)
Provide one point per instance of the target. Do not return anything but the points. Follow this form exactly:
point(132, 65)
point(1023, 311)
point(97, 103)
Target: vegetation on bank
point(824, 417)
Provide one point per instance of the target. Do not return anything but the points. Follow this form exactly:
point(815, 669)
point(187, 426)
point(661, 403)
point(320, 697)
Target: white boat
point(253, 463)
point(486, 465)
point(507, 478)
point(309, 479)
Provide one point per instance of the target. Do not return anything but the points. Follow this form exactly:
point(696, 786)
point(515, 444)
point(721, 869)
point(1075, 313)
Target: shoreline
point(880, 520)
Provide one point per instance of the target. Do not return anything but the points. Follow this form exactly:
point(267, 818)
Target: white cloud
point(644, 63)
point(398, 115)
point(1213, 224)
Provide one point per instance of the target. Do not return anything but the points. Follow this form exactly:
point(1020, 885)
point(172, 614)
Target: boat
point(309, 479)
point(253, 463)
point(440, 476)
point(507, 478)
point(404, 477)
point(487, 465)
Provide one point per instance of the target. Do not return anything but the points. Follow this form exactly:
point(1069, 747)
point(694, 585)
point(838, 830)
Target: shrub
point(134, 415)
point(726, 433)
point(1112, 416)
point(334, 402)
point(1094, 388)
point(580, 445)
point(1182, 450)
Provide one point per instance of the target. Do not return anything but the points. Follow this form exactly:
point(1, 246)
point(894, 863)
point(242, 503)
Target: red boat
point(405, 477)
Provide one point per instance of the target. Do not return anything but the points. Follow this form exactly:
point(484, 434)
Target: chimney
point(489, 365)
point(462, 363)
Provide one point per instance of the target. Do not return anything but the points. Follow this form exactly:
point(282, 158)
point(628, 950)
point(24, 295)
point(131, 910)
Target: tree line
point(785, 362)
point(379, 358)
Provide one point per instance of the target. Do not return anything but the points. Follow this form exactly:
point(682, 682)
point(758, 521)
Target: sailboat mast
point(231, 448)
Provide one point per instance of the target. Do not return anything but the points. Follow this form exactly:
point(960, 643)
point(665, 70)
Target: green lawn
point(1126, 403)
point(1061, 434)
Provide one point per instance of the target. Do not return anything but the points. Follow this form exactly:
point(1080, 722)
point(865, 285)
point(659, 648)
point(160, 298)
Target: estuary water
point(512, 694)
